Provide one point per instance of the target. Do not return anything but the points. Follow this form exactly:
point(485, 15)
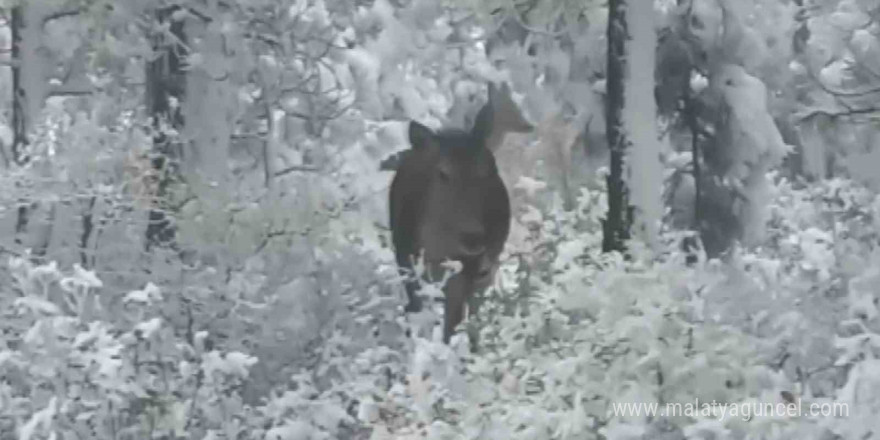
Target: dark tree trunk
point(19, 118)
point(616, 227)
point(690, 113)
point(691, 117)
point(88, 225)
point(19, 124)
point(165, 85)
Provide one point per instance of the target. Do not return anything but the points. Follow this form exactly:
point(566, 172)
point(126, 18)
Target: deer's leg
point(473, 306)
point(414, 301)
point(475, 300)
point(410, 283)
point(484, 276)
point(456, 296)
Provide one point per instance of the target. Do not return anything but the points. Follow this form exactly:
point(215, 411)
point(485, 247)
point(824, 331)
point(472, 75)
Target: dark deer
point(448, 202)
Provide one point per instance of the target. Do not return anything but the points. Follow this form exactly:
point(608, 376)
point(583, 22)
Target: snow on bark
point(33, 63)
point(708, 14)
point(209, 108)
point(616, 226)
point(166, 89)
point(757, 146)
point(30, 89)
point(639, 118)
point(813, 153)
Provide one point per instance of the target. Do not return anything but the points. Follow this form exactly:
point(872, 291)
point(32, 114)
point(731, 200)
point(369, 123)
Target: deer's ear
point(509, 115)
point(419, 135)
point(483, 123)
point(498, 117)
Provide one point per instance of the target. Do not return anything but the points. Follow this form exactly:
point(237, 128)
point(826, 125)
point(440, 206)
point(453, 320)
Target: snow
point(835, 74)
point(863, 40)
point(709, 17)
point(289, 315)
point(640, 116)
point(529, 185)
point(757, 144)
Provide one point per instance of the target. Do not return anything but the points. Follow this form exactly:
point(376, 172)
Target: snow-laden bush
point(70, 371)
point(568, 335)
point(594, 335)
point(793, 322)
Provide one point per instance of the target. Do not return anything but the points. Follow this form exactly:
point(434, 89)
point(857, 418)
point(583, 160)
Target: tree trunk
point(165, 93)
point(616, 227)
point(209, 110)
point(690, 245)
point(29, 91)
point(644, 171)
point(19, 130)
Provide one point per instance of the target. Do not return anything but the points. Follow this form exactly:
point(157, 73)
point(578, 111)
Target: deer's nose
point(484, 272)
point(485, 269)
point(473, 242)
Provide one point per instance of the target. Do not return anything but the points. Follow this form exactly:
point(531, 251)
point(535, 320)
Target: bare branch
point(61, 14)
point(268, 144)
point(841, 93)
point(837, 113)
point(850, 93)
point(295, 168)
point(255, 135)
point(70, 90)
point(199, 14)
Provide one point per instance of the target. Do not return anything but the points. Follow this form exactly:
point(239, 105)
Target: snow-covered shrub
point(69, 371)
point(70, 367)
point(594, 331)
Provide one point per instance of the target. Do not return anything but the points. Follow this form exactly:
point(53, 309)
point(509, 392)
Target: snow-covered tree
point(713, 65)
point(277, 312)
point(635, 177)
